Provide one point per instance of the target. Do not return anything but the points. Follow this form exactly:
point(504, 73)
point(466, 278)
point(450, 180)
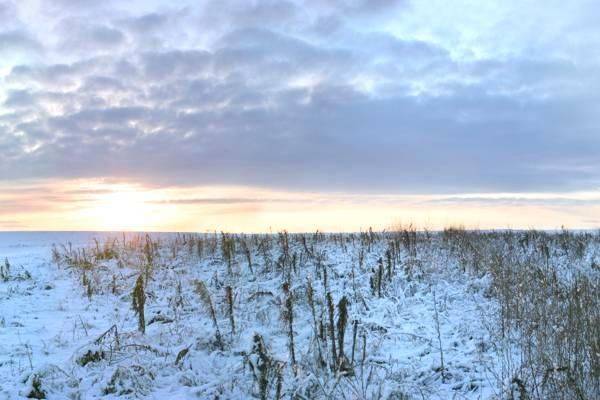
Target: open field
point(375, 315)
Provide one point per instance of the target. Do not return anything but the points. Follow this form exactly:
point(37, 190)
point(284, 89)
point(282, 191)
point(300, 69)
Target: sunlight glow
point(117, 206)
point(121, 210)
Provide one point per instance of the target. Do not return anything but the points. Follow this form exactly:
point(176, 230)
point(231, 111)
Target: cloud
point(223, 201)
point(146, 23)
point(19, 99)
point(296, 95)
point(362, 6)
point(79, 35)
point(7, 12)
point(186, 63)
point(515, 200)
point(81, 5)
point(18, 42)
point(352, 143)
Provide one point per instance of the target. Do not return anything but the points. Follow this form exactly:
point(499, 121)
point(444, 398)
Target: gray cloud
point(362, 6)
point(78, 34)
point(147, 22)
point(354, 140)
point(161, 65)
point(516, 201)
point(7, 12)
point(297, 96)
point(19, 99)
point(81, 5)
point(223, 201)
point(18, 41)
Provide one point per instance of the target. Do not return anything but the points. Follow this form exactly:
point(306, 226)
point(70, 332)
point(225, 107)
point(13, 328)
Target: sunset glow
point(102, 205)
point(121, 208)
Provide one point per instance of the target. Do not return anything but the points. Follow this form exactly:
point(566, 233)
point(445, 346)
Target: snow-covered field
point(423, 318)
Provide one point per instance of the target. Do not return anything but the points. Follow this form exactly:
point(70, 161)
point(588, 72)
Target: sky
point(259, 116)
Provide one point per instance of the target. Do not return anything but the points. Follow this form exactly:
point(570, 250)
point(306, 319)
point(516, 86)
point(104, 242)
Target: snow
point(48, 323)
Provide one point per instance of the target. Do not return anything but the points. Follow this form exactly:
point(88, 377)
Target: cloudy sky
point(256, 115)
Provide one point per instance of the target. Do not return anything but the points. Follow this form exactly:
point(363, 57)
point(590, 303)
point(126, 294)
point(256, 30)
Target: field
point(403, 314)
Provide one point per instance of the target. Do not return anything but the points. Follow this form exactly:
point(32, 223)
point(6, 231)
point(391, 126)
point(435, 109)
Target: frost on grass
point(375, 315)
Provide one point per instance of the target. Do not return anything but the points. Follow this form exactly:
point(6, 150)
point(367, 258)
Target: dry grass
point(547, 330)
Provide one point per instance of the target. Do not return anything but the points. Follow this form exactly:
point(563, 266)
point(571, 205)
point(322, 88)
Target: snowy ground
point(55, 332)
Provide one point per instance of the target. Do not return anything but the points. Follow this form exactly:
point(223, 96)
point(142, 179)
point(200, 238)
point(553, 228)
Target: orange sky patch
point(106, 205)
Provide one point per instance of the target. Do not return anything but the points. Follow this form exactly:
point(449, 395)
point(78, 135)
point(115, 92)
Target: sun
point(125, 211)
point(124, 208)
